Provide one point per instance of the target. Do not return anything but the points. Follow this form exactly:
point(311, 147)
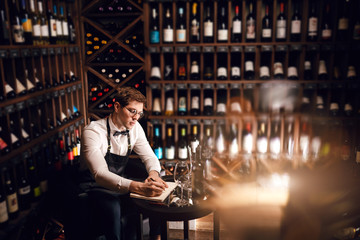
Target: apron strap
point(108, 138)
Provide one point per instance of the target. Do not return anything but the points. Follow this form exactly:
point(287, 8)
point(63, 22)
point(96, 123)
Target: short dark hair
point(126, 95)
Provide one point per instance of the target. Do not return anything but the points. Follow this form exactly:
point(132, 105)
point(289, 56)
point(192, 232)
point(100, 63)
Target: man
point(106, 146)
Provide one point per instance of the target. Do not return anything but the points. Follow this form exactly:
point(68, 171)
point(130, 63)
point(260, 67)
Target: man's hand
point(147, 188)
point(154, 177)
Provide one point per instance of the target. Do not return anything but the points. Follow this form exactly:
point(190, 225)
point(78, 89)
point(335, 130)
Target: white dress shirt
point(94, 145)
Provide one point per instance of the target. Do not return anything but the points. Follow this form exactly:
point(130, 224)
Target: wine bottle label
point(222, 34)
point(264, 71)
point(307, 65)
point(29, 84)
point(27, 26)
point(235, 71)
point(168, 35)
point(59, 31)
point(305, 100)
point(44, 30)
point(194, 28)
point(12, 203)
point(221, 108)
point(159, 153)
point(194, 69)
point(274, 145)
point(334, 106)
point(37, 191)
point(235, 107)
point(70, 155)
point(181, 35)
point(322, 67)
point(3, 212)
point(24, 134)
point(169, 104)
point(348, 107)
point(266, 33)
point(37, 30)
point(326, 34)
point(155, 72)
point(343, 23)
point(182, 71)
point(13, 138)
point(195, 102)
point(208, 102)
point(170, 152)
point(53, 26)
point(182, 104)
point(351, 72)
point(24, 190)
point(292, 71)
point(236, 26)
point(156, 105)
point(250, 29)
point(319, 102)
point(281, 29)
point(249, 66)
point(295, 26)
point(3, 144)
point(65, 28)
point(182, 153)
point(18, 33)
point(154, 36)
point(8, 88)
point(278, 68)
point(208, 29)
point(222, 72)
point(313, 25)
point(44, 186)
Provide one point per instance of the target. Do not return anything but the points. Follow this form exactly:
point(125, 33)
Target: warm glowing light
point(247, 143)
point(304, 147)
point(262, 145)
point(275, 146)
point(315, 147)
point(233, 149)
point(220, 144)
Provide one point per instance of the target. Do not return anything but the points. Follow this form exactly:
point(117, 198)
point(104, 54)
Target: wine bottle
point(274, 141)
point(208, 66)
point(154, 27)
point(233, 141)
point(322, 73)
point(71, 27)
point(31, 164)
point(9, 91)
point(195, 101)
point(181, 71)
point(18, 33)
point(20, 88)
point(292, 72)
point(170, 143)
point(169, 102)
point(52, 25)
point(295, 31)
point(334, 103)
point(236, 25)
point(247, 138)
point(44, 25)
point(220, 141)
point(308, 73)
point(235, 71)
point(208, 26)
point(281, 24)
point(30, 87)
point(235, 106)
point(157, 142)
point(195, 25)
point(78, 142)
point(326, 29)
point(182, 151)
point(69, 151)
point(351, 72)
point(182, 102)
point(312, 32)
point(304, 142)
point(221, 101)
point(248, 98)
point(289, 138)
point(222, 32)
point(208, 140)
point(194, 139)
point(221, 72)
point(261, 140)
point(64, 26)
point(4, 30)
point(4, 216)
point(59, 30)
point(266, 32)
point(181, 27)
point(36, 24)
point(11, 195)
point(208, 101)
point(249, 66)
point(168, 31)
point(26, 23)
point(156, 106)
point(320, 102)
point(343, 22)
point(278, 66)
point(24, 188)
point(250, 24)
point(265, 65)
point(194, 70)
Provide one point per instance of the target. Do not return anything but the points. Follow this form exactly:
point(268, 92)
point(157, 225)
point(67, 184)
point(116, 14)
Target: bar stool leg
point(186, 230)
point(163, 230)
point(140, 235)
point(216, 226)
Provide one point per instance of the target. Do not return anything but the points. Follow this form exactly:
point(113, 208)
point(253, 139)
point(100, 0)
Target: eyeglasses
point(133, 112)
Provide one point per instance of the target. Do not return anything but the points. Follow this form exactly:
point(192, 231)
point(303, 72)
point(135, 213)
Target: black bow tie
point(126, 132)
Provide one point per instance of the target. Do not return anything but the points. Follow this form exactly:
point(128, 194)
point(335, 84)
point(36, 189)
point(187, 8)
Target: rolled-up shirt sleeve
point(94, 142)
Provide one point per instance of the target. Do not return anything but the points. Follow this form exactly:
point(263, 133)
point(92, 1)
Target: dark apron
point(116, 164)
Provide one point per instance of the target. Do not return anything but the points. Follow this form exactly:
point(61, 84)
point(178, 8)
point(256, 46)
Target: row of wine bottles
point(323, 100)
point(237, 64)
point(267, 138)
point(32, 26)
point(26, 178)
point(227, 21)
point(117, 6)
